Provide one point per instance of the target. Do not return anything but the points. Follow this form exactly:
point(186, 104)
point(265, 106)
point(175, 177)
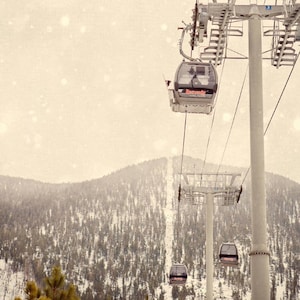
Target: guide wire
point(280, 97)
point(182, 157)
point(276, 106)
point(179, 188)
point(211, 127)
point(233, 119)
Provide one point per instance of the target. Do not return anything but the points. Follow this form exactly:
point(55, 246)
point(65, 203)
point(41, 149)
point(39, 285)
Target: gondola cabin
point(195, 88)
point(228, 254)
point(178, 274)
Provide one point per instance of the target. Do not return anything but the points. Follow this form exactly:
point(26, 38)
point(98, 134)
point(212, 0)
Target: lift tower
point(284, 35)
point(285, 32)
point(208, 188)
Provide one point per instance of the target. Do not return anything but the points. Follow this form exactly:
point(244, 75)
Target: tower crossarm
point(224, 197)
point(293, 17)
point(222, 186)
point(220, 15)
point(284, 52)
point(225, 15)
point(218, 180)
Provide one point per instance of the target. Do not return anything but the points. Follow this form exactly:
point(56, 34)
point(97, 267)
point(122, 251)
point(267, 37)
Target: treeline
point(108, 234)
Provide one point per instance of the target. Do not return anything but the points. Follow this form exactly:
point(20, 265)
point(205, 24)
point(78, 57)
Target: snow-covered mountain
point(117, 236)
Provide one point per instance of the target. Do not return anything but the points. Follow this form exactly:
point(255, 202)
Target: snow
point(11, 283)
point(169, 214)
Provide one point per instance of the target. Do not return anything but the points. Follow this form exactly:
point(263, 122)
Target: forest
point(108, 235)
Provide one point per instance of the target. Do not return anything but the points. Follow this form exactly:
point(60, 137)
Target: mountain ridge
point(109, 234)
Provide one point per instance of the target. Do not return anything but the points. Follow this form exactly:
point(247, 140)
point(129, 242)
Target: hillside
point(111, 238)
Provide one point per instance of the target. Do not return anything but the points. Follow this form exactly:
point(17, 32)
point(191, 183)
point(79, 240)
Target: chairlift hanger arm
point(195, 17)
point(187, 28)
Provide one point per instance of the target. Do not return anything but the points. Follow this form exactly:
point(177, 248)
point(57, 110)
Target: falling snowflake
point(296, 124)
point(3, 128)
point(64, 81)
point(65, 21)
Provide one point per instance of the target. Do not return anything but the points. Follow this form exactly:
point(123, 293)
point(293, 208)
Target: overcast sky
point(82, 92)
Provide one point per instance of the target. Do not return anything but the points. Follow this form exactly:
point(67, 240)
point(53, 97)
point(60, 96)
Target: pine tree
point(54, 288)
point(54, 284)
point(32, 291)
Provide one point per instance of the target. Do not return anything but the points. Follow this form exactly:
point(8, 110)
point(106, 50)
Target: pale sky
point(82, 92)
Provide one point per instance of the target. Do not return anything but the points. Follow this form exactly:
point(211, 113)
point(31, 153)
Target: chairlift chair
point(228, 254)
point(195, 88)
point(178, 274)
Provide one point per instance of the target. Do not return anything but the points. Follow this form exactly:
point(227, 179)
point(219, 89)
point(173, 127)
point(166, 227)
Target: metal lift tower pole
point(207, 186)
point(209, 246)
point(259, 252)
